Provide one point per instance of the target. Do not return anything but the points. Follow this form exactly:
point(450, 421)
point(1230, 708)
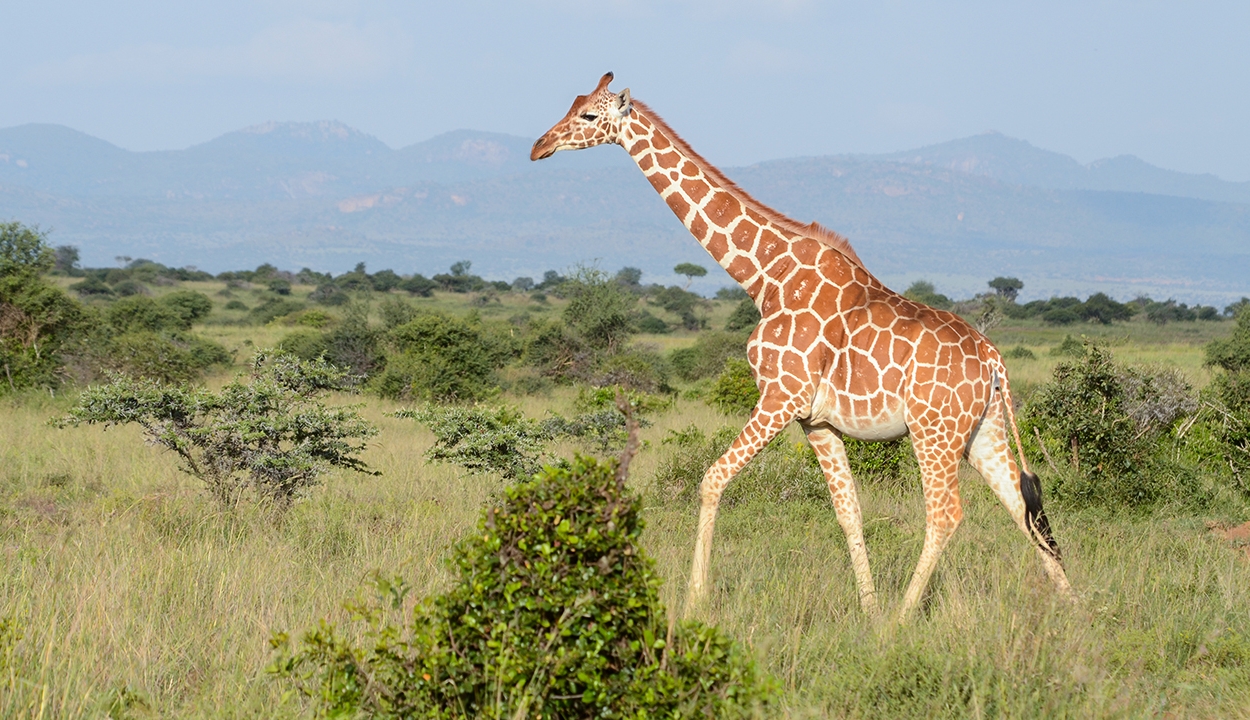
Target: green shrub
point(708, 354)
point(272, 309)
point(126, 288)
point(142, 313)
point(237, 305)
point(635, 368)
point(305, 344)
point(271, 435)
point(39, 323)
point(189, 305)
point(418, 285)
point(556, 613)
point(483, 439)
point(744, 317)
point(1070, 347)
point(396, 311)
point(734, 390)
point(649, 323)
point(1019, 352)
point(92, 286)
point(555, 351)
point(1228, 402)
point(923, 291)
point(328, 294)
point(440, 358)
point(599, 309)
point(1107, 430)
point(891, 463)
point(1232, 354)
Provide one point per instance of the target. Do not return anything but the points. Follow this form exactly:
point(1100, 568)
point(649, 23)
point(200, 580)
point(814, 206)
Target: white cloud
point(306, 50)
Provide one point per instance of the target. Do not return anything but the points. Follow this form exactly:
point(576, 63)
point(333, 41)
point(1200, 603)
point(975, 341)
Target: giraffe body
point(835, 350)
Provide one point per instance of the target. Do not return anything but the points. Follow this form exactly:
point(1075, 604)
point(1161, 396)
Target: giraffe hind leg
point(1019, 492)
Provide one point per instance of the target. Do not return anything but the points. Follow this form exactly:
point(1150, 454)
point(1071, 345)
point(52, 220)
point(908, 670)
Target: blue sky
point(744, 81)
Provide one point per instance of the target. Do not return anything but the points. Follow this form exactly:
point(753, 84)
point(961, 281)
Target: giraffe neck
point(735, 229)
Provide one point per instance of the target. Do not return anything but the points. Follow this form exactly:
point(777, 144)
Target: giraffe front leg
point(763, 426)
point(833, 461)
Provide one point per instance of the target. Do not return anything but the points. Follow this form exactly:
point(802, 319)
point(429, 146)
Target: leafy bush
point(38, 321)
point(1070, 347)
point(440, 358)
point(142, 313)
point(555, 613)
point(126, 288)
point(328, 294)
point(734, 390)
point(1232, 354)
point(557, 352)
point(649, 323)
point(744, 317)
point(237, 305)
point(888, 463)
point(1229, 397)
point(635, 368)
point(271, 435)
point(682, 303)
point(189, 305)
point(483, 439)
point(272, 309)
point(418, 285)
point(708, 354)
point(599, 309)
point(165, 358)
point(1108, 423)
point(923, 291)
point(92, 286)
point(1019, 352)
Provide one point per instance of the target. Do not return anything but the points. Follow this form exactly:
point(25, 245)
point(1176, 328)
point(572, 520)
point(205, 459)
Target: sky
point(743, 81)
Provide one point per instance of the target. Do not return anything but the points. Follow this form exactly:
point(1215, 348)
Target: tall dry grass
point(136, 596)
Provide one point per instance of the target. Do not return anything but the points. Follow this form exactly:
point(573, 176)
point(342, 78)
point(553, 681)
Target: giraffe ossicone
point(835, 350)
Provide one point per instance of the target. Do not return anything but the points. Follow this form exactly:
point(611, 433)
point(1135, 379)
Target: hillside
point(327, 196)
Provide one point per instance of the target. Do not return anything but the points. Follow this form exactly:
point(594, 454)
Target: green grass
point(136, 597)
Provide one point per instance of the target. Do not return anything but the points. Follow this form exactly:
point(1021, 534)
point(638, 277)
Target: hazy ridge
point(328, 196)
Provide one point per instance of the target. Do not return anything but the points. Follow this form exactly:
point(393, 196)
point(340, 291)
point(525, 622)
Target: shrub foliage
point(555, 613)
point(271, 435)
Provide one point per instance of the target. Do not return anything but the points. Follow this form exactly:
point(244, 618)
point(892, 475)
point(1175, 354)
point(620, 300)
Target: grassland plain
point(135, 596)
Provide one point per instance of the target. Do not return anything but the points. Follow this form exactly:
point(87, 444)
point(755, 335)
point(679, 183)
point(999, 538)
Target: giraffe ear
point(623, 103)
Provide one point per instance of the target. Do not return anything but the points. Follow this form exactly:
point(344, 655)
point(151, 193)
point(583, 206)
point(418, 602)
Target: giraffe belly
point(878, 418)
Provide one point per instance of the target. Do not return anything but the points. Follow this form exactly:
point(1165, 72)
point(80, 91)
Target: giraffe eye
point(589, 117)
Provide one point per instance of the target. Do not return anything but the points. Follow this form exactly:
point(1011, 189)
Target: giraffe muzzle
point(543, 148)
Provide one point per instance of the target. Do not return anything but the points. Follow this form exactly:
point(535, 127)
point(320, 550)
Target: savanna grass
point(125, 591)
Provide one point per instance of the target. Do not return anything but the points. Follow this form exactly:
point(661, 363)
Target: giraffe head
point(594, 119)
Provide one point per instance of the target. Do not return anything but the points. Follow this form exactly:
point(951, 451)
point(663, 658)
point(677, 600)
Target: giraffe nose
point(541, 149)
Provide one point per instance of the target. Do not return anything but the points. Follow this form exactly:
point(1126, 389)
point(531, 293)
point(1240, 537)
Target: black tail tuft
point(1034, 515)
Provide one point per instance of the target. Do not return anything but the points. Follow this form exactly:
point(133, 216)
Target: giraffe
point(835, 350)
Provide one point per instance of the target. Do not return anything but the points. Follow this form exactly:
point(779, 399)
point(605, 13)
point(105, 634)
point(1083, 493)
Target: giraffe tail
point(1030, 486)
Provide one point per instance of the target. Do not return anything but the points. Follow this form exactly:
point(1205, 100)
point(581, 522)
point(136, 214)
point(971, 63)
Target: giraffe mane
point(813, 230)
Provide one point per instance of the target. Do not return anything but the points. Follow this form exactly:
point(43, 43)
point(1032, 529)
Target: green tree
point(922, 291)
point(38, 321)
point(271, 435)
point(691, 271)
point(1007, 287)
point(599, 309)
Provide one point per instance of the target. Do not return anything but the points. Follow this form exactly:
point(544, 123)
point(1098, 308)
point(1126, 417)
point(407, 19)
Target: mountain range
point(327, 196)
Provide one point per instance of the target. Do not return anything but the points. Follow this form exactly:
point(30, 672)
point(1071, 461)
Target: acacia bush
point(555, 613)
point(39, 323)
point(734, 391)
point(483, 439)
point(1106, 430)
point(708, 354)
point(271, 436)
point(442, 358)
point(1228, 398)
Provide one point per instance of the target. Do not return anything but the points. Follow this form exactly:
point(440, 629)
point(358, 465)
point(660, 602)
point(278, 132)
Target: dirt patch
point(1238, 536)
